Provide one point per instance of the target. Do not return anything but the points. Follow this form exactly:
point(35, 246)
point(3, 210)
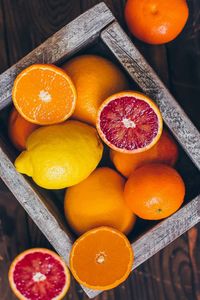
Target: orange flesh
point(44, 94)
point(101, 258)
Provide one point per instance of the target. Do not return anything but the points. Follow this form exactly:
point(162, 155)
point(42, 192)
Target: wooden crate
point(97, 31)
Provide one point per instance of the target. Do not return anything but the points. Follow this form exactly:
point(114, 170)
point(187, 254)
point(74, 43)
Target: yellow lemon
point(61, 155)
point(96, 78)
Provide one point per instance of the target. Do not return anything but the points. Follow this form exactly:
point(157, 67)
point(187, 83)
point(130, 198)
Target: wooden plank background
point(173, 273)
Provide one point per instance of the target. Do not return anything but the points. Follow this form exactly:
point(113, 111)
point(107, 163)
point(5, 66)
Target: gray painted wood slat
point(174, 116)
point(163, 234)
point(68, 40)
point(71, 38)
point(37, 208)
point(166, 232)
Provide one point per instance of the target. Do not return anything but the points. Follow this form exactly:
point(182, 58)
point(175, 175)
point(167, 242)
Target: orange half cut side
point(44, 94)
point(101, 259)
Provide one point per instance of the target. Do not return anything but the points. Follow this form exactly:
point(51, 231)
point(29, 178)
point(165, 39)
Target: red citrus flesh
point(129, 122)
point(39, 274)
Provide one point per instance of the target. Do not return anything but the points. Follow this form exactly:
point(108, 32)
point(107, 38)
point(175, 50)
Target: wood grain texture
point(167, 275)
point(194, 248)
point(3, 44)
point(166, 231)
point(63, 43)
point(13, 237)
point(13, 218)
point(162, 235)
point(170, 274)
point(173, 115)
point(184, 57)
point(29, 23)
point(116, 6)
point(37, 207)
point(17, 230)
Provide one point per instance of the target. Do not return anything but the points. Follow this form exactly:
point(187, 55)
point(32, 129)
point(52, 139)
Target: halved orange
point(44, 94)
point(101, 258)
point(39, 274)
point(129, 122)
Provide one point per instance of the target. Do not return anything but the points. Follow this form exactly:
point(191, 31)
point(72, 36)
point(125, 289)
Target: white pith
point(128, 123)
point(37, 277)
point(45, 96)
point(100, 258)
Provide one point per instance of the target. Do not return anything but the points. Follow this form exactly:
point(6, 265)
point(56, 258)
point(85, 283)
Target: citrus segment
point(19, 129)
point(164, 151)
point(101, 259)
point(98, 201)
point(95, 78)
point(39, 274)
point(129, 122)
point(44, 94)
point(154, 191)
point(156, 21)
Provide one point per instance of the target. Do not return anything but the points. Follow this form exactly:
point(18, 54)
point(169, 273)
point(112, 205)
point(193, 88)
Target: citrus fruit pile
point(61, 121)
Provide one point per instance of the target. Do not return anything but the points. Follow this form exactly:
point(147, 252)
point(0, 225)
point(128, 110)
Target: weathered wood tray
point(97, 31)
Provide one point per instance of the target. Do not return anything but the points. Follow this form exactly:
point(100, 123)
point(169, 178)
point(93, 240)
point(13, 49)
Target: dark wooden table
point(173, 273)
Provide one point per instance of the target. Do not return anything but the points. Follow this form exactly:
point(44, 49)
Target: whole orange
point(154, 191)
point(95, 79)
point(98, 201)
point(19, 129)
point(165, 151)
point(156, 21)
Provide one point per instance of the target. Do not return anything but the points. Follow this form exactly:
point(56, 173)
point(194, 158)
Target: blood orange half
point(39, 274)
point(129, 122)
